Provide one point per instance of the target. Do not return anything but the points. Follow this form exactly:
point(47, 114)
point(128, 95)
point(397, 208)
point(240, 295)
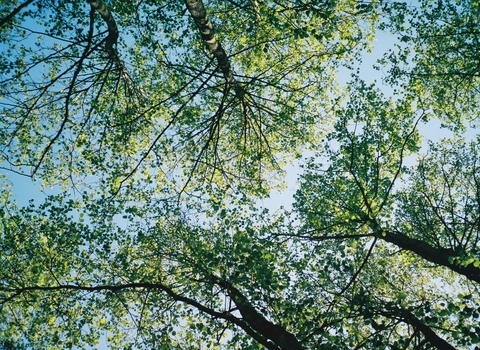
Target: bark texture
point(112, 37)
point(111, 41)
point(430, 335)
point(199, 15)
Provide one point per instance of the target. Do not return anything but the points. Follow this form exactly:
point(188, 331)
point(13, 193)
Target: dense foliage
point(162, 126)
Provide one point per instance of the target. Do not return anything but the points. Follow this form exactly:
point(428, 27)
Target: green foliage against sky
point(161, 126)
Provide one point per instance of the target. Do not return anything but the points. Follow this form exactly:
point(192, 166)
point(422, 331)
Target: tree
point(171, 94)
point(432, 218)
point(441, 200)
point(441, 39)
point(162, 124)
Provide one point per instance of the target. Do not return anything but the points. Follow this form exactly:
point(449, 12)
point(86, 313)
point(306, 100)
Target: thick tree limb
point(436, 255)
point(243, 324)
point(279, 335)
point(111, 41)
point(199, 15)
point(428, 333)
point(112, 37)
point(439, 256)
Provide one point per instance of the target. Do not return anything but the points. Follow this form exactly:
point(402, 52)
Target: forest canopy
point(162, 128)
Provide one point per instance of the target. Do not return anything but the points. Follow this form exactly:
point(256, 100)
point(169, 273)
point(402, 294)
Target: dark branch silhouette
point(16, 10)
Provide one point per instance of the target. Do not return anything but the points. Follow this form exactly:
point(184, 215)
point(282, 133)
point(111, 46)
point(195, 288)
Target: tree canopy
point(162, 127)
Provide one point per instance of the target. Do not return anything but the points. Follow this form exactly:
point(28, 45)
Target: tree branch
point(279, 335)
point(70, 92)
point(14, 12)
point(112, 37)
point(199, 15)
point(429, 334)
point(151, 286)
point(438, 256)
point(111, 41)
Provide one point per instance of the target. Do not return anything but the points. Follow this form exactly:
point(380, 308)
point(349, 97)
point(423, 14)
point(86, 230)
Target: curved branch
point(364, 262)
point(428, 333)
point(111, 41)
point(150, 286)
